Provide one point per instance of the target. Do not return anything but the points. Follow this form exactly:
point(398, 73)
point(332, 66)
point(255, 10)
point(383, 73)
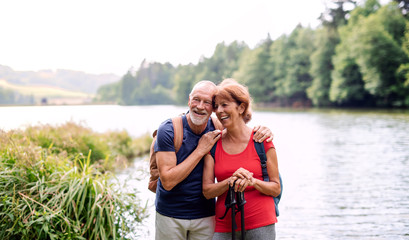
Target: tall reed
point(57, 183)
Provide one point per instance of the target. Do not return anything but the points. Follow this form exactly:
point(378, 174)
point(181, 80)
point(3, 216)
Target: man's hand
point(207, 141)
point(262, 133)
point(171, 173)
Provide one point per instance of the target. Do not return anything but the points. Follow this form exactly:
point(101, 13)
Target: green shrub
point(55, 184)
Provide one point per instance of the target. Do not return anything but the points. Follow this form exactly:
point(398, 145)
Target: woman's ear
point(241, 108)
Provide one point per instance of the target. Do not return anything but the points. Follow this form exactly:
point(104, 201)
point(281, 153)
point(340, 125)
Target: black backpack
point(263, 161)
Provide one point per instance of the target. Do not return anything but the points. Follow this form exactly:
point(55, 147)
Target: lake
point(345, 172)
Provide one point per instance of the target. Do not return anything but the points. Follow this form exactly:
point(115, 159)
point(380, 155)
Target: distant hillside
point(66, 79)
point(18, 94)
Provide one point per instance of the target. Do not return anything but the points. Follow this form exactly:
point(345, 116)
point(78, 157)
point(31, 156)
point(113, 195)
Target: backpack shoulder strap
point(178, 132)
point(217, 124)
point(213, 151)
point(263, 159)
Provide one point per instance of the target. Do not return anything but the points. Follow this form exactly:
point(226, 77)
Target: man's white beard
point(198, 120)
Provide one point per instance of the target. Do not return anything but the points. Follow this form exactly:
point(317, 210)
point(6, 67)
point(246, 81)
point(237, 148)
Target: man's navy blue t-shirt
point(185, 200)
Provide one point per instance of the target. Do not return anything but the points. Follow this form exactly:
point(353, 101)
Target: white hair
point(208, 83)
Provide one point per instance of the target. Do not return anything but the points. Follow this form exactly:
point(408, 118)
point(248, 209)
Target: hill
point(43, 94)
point(65, 79)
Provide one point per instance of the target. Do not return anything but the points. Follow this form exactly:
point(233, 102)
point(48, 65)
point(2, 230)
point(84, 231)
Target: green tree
point(108, 93)
point(336, 16)
point(157, 73)
point(404, 6)
point(298, 78)
point(371, 45)
point(378, 52)
point(258, 74)
point(321, 66)
point(347, 86)
point(222, 64)
point(144, 94)
point(403, 73)
point(184, 80)
point(6, 96)
point(369, 7)
point(321, 60)
point(278, 65)
point(127, 85)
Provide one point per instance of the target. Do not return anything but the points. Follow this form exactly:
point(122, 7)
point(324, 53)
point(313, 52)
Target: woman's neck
point(238, 133)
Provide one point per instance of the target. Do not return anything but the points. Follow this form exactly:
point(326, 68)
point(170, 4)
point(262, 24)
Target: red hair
point(231, 90)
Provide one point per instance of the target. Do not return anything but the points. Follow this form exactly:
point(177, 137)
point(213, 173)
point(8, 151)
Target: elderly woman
point(237, 162)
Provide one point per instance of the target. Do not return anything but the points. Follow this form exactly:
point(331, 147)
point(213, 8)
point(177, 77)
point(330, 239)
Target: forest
point(357, 57)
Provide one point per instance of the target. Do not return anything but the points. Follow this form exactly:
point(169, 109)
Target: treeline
point(357, 57)
point(8, 96)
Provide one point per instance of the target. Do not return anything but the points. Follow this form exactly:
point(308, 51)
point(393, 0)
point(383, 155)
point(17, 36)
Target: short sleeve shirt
point(185, 200)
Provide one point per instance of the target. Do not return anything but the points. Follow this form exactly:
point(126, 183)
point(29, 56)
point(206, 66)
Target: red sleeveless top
point(259, 210)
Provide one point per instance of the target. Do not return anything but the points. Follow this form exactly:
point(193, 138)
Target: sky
point(112, 36)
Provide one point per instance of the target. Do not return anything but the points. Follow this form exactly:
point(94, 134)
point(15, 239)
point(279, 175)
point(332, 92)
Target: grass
point(58, 183)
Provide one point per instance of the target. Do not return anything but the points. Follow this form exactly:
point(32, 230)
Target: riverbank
point(330, 162)
point(58, 182)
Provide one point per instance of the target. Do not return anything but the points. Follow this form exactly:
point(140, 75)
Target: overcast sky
point(111, 36)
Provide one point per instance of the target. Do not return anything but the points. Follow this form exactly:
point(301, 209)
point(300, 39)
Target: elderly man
point(182, 212)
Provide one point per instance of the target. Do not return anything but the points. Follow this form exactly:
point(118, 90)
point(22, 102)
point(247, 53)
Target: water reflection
point(345, 172)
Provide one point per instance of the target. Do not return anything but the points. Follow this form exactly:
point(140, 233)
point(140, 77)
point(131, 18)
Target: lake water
point(345, 172)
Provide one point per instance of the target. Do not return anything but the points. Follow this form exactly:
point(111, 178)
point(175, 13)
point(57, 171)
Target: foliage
point(257, 75)
point(108, 93)
point(222, 64)
point(322, 66)
point(358, 56)
point(184, 80)
point(53, 187)
point(77, 140)
point(372, 49)
point(404, 6)
point(297, 78)
point(151, 84)
point(336, 16)
point(6, 96)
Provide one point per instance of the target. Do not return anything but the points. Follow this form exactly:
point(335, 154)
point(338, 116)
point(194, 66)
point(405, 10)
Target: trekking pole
point(230, 203)
point(233, 213)
point(240, 203)
point(233, 223)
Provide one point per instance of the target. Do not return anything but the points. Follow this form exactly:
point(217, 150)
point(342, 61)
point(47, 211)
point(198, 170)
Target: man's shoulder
point(165, 130)
point(166, 125)
point(164, 139)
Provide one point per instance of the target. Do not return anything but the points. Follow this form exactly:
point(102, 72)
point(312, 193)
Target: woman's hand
point(241, 184)
point(242, 173)
point(241, 178)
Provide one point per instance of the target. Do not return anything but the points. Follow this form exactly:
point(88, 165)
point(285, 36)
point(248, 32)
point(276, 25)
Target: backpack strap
point(213, 151)
point(177, 123)
point(178, 132)
point(263, 160)
point(217, 125)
